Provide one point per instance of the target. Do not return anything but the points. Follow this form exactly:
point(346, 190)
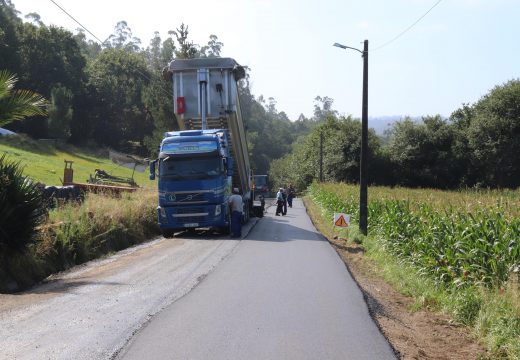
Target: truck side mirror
point(152, 169)
point(229, 167)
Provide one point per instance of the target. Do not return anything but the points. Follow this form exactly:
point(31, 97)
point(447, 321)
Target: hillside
point(45, 162)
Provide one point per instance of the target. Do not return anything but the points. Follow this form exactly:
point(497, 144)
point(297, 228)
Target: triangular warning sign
point(341, 221)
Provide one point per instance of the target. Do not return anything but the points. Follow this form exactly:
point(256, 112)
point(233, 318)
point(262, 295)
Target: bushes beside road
point(78, 232)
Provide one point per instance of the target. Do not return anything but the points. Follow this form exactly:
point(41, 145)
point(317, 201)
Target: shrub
point(21, 207)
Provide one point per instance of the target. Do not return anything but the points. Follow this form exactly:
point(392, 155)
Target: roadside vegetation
point(74, 233)
point(456, 252)
point(36, 241)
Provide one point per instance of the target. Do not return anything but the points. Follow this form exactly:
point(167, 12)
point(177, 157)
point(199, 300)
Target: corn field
point(458, 238)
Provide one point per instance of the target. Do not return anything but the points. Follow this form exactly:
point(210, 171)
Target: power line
point(101, 43)
point(405, 30)
point(77, 22)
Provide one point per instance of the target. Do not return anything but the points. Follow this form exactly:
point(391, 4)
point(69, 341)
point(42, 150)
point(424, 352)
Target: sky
point(454, 55)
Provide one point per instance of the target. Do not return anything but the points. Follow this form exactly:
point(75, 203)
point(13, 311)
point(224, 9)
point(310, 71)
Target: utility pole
point(363, 161)
point(321, 156)
point(363, 168)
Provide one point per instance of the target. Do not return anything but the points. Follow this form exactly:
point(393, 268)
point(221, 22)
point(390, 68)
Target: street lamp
point(363, 171)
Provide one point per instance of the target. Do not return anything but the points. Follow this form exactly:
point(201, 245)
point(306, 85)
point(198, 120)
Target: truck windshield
point(260, 180)
point(190, 168)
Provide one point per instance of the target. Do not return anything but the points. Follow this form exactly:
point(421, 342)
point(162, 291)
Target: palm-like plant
point(21, 207)
point(17, 104)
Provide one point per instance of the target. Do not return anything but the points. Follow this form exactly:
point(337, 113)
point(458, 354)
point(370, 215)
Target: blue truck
point(200, 164)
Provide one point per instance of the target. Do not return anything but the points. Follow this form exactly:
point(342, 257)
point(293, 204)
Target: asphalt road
point(280, 293)
point(93, 310)
point(283, 293)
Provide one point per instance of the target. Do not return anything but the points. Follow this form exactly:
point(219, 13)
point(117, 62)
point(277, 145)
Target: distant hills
point(382, 123)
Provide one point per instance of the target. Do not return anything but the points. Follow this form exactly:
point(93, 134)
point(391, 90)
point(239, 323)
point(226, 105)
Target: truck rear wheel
point(246, 214)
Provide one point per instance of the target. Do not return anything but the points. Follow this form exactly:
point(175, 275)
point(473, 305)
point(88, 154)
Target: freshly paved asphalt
point(283, 293)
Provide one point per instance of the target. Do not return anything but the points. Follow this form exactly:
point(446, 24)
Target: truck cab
point(194, 172)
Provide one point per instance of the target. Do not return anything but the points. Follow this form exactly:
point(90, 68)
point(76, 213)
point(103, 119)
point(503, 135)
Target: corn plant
point(448, 242)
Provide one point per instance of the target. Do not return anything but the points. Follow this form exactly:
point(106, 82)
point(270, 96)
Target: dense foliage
point(113, 94)
point(478, 146)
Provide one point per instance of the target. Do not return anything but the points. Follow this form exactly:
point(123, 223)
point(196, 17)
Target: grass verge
point(75, 233)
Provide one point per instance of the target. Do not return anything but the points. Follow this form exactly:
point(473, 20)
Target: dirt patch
point(414, 335)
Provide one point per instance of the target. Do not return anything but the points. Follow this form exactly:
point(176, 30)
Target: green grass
point(45, 163)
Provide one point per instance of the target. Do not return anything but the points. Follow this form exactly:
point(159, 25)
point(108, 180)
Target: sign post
point(341, 220)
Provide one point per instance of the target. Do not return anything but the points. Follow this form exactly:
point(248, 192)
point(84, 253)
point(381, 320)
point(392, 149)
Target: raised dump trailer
point(199, 165)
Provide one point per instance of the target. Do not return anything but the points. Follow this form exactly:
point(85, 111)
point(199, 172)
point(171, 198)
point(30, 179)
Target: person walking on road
point(236, 206)
point(290, 195)
point(284, 195)
point(279, 202)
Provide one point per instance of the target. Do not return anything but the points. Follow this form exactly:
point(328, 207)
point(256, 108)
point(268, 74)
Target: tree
point(213, 48)
point(50, 56)
point(89, 48)
point(17, 104)
point(341, 154)
point(188, 49)
point(423, 154)
point(168, 50)
point(117, 81)
point(323, 108)
point(35, 18)
point(60, 112)
point(9, 37)
point(494, 136)
point(160, 116)
point(153, 52)
point(122, 38)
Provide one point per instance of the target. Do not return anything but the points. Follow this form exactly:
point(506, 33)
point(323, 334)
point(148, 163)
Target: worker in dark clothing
point(279, 202)
point(290, 195)
point(284, 194)
point(236, 206)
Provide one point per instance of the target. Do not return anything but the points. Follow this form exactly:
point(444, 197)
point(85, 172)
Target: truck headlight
point(218, 210)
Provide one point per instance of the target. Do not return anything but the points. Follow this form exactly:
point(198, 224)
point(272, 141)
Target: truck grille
point(189, 198)
point(194, 210)
point(187, 215)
